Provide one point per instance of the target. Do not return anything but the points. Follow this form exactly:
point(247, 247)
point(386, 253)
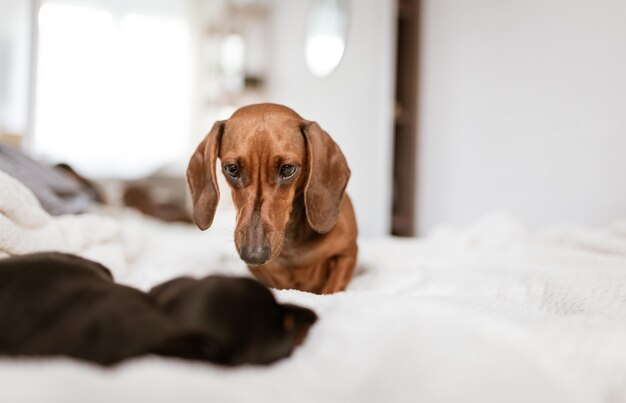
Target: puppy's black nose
point(255, 255)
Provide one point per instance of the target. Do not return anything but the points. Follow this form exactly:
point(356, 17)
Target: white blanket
point(489, 313)
point(25, 227)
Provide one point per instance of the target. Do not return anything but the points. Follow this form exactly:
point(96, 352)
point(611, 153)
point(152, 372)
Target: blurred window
point(14, 68)
point(114, 86)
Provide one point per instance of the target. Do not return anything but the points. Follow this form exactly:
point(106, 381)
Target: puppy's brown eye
point(232, 170)
point(287, 171)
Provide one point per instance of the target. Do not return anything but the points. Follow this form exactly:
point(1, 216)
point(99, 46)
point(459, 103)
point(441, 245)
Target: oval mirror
point(325, 37)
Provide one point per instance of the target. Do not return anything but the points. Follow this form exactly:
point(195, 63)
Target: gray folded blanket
point(57, 192)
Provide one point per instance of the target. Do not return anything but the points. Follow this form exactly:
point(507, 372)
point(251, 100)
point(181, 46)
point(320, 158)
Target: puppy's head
point(271, 158)
point(237, 320)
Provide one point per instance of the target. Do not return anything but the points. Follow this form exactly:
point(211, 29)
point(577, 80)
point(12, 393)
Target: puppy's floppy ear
point(328, 176)
point(201, 178)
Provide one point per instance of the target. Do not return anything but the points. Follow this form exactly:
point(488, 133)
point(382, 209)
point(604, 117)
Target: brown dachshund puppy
point(295, 223)
point(54, 304)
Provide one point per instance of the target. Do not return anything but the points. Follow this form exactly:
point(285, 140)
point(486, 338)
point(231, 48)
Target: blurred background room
point(487, 145)
point(446, 110)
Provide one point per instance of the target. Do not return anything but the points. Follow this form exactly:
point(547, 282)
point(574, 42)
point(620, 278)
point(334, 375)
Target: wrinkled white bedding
point(488, 313)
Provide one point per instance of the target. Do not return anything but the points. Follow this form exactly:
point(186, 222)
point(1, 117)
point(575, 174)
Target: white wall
point(354, 104)
point(523, 107)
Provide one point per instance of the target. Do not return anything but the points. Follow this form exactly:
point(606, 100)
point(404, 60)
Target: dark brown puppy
point(53, 304)
point(295, 224)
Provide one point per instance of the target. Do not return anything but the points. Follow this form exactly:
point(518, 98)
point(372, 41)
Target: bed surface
point(487, 313)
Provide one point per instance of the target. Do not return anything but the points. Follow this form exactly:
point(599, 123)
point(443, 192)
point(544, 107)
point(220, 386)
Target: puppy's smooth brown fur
point(298, 232)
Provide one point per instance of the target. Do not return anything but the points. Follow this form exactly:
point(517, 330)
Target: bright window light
point(113, 92)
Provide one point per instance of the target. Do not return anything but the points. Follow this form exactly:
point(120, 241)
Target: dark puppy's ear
point(298, 320)
point(328, 176)
point(201, 177)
